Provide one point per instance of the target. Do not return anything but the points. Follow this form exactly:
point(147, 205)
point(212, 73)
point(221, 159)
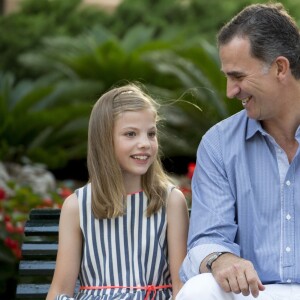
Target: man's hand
point(237, 275)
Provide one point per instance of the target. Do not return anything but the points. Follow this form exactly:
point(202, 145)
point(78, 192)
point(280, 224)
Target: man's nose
point(232, 89)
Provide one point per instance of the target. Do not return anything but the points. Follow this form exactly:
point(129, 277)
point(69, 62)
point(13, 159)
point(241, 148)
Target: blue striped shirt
point(246, 200)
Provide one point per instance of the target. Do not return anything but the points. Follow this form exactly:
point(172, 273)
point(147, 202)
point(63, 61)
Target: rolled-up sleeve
point(191, 264)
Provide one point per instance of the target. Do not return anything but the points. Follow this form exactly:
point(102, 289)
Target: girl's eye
point(152, 133)
point(130, 134)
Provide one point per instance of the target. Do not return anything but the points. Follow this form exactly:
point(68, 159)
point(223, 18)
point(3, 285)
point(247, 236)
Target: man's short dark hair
point(272, 32)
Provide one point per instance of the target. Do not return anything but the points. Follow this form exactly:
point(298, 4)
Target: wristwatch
point(212, 259)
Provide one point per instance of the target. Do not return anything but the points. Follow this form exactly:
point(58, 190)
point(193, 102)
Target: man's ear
point(282, 66)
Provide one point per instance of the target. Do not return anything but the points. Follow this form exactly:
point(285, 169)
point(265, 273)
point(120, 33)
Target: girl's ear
point(282, 66)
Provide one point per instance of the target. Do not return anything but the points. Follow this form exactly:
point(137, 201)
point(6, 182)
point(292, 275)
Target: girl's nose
point(144, 142)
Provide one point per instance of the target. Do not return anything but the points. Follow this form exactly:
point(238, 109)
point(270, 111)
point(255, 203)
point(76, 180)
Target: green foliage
point(98, 55)
point(14, 210)
point(43, 120)
point(163, 16)
point(189, 18)
point(171, 70)
point(37, 20)
point(164, 49)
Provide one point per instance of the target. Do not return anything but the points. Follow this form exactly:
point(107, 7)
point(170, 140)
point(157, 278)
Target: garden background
point(57, 57)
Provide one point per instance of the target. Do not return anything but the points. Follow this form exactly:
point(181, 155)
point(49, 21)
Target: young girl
point(125, 232)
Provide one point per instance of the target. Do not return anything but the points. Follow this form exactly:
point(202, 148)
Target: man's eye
point(239, 77)
point(235, 77)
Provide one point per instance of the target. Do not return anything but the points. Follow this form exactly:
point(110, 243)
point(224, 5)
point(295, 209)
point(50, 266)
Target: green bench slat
point(36, 267)
point(44, 214)
point(39, 249)
point(41, 228)
point(36, 291)
point(32, 291)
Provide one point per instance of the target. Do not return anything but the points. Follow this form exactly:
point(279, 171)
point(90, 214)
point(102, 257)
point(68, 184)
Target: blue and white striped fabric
point(126, 251)
point(246, 200)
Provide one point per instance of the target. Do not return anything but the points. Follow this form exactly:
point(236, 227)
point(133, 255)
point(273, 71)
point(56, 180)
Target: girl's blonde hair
point(108, 191)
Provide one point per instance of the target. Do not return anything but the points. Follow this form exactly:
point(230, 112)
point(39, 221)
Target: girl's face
point(135, 142)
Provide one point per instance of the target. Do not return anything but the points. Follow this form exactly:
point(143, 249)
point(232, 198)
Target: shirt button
point(288, 183)
point(287, 249)
point(288, 217)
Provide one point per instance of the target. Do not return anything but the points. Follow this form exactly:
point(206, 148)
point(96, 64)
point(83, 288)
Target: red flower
point(2, 194)
point(10, 243)
point(19, 229)
point(14, 246)
point(17, 252)
point(191, 169)
point(7, 218)
point(9, 227)
point(65, 192)
point(47, 202)
point(185, 190)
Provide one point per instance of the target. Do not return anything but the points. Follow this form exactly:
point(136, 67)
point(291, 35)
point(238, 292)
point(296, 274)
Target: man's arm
point(213, 224)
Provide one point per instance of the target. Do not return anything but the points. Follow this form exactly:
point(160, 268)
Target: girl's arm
point(177, 231)
point(69, 250)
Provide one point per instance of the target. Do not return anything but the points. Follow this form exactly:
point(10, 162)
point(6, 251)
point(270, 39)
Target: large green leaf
point(44, 121)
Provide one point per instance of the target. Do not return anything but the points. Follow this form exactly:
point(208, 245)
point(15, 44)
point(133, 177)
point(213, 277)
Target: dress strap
point(148, 288)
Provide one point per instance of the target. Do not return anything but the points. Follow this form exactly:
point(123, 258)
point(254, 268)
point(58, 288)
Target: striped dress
point(127, 252)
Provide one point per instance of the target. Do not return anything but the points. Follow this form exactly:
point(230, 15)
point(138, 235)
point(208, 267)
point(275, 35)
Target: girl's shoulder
point(69, 216)
point(175, 197)
point(70, 204)
point(177, 209)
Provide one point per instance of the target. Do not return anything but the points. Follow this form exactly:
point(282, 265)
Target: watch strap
point(212, 258)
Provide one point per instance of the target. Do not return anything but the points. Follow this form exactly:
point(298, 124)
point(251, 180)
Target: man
point(244, 234)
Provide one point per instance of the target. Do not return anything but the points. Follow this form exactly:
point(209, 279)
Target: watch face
point(212, 259)
point(215, 256)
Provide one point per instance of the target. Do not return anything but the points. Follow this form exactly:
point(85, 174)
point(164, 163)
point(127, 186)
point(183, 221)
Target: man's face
point(249, 79)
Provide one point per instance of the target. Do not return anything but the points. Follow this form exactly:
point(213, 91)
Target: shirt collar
point(253, 126)
point(298, 132)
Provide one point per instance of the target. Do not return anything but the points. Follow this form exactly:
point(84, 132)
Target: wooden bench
point(38, 254)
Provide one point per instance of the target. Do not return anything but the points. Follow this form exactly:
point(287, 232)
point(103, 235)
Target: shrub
point(14, 209)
